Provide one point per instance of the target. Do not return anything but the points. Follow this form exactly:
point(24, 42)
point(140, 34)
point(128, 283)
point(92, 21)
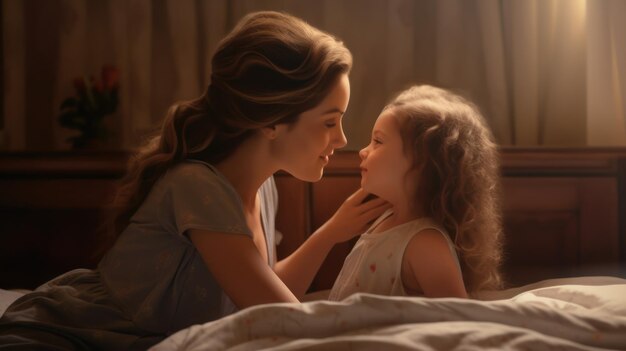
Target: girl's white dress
point(374, 264)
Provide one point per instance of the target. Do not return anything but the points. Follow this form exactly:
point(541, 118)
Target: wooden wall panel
point(598, 220)
point(48, 226)
point(539, 245)
point(293, 225)
point(38, 244)
point(559, 226)
point(56, 193)
point(327, 195)
point(563, 212)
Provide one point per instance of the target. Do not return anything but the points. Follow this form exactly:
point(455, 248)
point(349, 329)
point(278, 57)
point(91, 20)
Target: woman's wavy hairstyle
point(456, 159)
point(268, 70)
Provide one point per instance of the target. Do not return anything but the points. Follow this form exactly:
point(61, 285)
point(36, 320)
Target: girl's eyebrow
point(378, 132)
point(334, 110)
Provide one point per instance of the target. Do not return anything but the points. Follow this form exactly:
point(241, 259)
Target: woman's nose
point(340, 140)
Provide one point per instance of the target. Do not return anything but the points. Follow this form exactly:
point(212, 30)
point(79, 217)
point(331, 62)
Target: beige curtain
point(606, 73)
point(544, 72)
point(161, 47)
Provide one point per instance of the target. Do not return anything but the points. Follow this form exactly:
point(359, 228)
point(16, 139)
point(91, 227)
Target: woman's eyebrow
point(334, 110)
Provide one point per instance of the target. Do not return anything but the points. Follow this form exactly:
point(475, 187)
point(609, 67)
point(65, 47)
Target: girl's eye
point(376, 141)
point(330, 125)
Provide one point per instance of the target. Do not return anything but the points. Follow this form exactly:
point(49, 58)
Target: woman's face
point(303, 148)
point(383, 162)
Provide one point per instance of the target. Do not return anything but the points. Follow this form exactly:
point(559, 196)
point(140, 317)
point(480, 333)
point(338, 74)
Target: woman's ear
point(275, 131)
point(269, 132)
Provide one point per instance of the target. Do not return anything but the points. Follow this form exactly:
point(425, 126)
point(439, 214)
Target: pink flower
point(110, 77)
point(94, 99)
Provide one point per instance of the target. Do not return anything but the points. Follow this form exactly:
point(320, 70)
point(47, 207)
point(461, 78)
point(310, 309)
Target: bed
point(583, 313)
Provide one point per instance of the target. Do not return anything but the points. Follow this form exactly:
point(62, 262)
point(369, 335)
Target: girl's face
point(304, 147)
point(383, 162)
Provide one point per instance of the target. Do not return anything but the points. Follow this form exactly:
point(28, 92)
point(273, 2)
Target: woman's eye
point(376, 141)
point(330, 125)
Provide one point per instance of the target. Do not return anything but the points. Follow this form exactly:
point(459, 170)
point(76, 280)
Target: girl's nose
point(363, 153)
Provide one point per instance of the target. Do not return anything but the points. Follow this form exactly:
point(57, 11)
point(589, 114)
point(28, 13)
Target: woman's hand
point(353, 216)
point(350, 220)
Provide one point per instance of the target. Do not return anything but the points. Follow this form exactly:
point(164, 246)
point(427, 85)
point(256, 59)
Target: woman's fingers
point(372, 204)
point(358, 196)
point(374, 212)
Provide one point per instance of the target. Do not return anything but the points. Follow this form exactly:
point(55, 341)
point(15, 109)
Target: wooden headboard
point(564, 212)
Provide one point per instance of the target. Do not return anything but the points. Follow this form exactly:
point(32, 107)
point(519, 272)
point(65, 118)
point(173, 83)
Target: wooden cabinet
point(560, 226)
point(564, 212)
point(51, 207)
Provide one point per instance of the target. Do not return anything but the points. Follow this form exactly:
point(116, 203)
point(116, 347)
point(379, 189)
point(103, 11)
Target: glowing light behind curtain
point(606, 72)
point(545, 56)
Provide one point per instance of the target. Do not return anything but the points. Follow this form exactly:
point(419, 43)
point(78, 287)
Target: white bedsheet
point(7, 297)
point(549, 315)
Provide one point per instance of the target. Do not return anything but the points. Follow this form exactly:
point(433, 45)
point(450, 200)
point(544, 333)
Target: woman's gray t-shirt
point(168, 287)
point(153, 282)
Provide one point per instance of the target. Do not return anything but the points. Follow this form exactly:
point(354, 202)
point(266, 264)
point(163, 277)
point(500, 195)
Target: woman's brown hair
point(268, 70)
point(457, 165)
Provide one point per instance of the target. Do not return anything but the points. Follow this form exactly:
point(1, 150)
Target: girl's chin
point(364, 184)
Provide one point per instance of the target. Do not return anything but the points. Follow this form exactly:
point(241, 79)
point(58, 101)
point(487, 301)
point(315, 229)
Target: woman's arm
point(350, 220)
point(239, 269)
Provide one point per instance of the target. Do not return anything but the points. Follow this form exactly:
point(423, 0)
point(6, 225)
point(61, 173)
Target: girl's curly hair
point(449, 144)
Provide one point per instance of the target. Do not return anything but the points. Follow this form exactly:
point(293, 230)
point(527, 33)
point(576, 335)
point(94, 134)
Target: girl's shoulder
point(428, 224)
point(429, 240)
point(426, 232)
point(427, 236)
point(407, 229)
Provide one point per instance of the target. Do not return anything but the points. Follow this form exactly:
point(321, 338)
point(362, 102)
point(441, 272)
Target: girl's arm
point(350, 220)
point(433, 265)
point(239, 269)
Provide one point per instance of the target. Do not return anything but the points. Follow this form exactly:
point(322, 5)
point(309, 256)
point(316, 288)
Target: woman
point(199, 200)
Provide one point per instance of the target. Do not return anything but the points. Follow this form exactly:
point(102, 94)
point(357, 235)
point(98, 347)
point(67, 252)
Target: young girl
point(433, 158)
point(199, 200)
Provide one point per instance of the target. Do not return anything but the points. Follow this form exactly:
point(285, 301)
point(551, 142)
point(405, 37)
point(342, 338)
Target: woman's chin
point(313, 176)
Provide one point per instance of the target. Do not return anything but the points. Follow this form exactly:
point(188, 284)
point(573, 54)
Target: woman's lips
point(327, 156)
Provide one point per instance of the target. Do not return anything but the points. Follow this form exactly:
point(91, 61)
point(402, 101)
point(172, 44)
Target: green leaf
point(69, 102)
point(71, 120)
point(64, 117)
